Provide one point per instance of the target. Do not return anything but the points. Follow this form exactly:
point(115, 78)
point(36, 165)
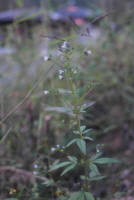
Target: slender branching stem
point(29, 93)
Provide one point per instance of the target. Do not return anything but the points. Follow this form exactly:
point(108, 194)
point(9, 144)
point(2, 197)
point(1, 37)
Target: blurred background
point(33, 130)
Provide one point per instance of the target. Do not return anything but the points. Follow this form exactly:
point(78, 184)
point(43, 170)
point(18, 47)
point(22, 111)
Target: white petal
point(64, 44)
point(61, 71)
point(89, 52)
point(46, 92)
point(60, 77)
point(46, 58)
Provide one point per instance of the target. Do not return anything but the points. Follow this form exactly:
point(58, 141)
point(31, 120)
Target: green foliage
point(72, 163)
point(82, 145)
point(88, 196)
point(97, 178)
point(105, 161)
point(68, 168)
point(77, 195)
point(60, 165)
point(94, 168)
point(76, 107)
point(94, 157)
point(49, 182)
point(71, 142)
point(35, 136)
point(81, 196)
point(118, 194)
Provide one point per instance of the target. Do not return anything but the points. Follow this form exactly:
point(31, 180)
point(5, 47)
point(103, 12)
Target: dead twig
point(102, 16)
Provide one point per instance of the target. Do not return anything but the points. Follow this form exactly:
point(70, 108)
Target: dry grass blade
point(102, 16)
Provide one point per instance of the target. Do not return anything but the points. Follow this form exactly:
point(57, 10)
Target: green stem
point(85, 96)
point(85, 171)
point(78, 123)
point(65, 102)
point(76, 112)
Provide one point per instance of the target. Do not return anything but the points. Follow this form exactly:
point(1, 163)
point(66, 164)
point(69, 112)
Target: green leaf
point(71, 142)
point(94, 168)
point(73, 159)
point(95, 156)
point(28, 17)
point(105, 161)
point(58, 109)
point(82, 128)
point(84, 177)
point(68, 168)
point(92, 174)
point(60, 165)
point(88, 138)
point(97, 178)
point(64, 91)
point(77, 196)
point(48, 183)
point(55, 162)
point(84, 107)
point(76, 132)
point(88, 196)
point(117, 194)
point(82, 145)
point(86, 131)
point(74, 87)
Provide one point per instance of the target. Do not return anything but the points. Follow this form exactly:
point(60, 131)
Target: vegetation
point(40, 140)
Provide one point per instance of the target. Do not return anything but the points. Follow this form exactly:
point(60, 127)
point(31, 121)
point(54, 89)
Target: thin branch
point(74, 22)
point(27, 96)
point(102, 16)
point(6, 134)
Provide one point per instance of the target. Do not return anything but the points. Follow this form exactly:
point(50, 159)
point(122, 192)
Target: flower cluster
point(52, 91)
point(58, 147)
point(48, 58)
point(12, 190)
point(87, 52)
point(89, 85)
point(72, 124)
point(65, 47)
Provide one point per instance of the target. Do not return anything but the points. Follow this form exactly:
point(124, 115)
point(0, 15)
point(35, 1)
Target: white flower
point(46, 92)
point(57, 145)
point(60, 77)
point(61, 71)
point(52, 149)
point(46, 58)
point(75, 71)
point(89, 52)
point(35, 165)
point(64, 45)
